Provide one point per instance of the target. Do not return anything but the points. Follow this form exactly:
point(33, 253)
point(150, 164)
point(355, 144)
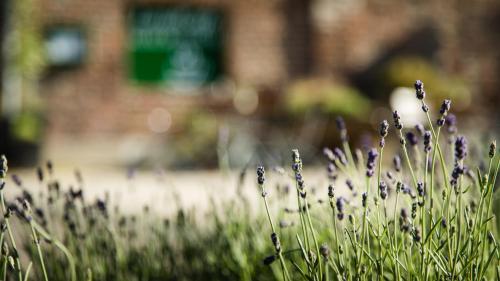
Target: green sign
point(175, 46)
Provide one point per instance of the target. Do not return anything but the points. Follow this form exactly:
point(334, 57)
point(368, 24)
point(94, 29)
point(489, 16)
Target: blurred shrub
point(326, 97)
point(402, 71)
point(27, 126)
point(196, 143)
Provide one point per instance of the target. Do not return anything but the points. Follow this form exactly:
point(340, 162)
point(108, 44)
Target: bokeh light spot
point(159, 120)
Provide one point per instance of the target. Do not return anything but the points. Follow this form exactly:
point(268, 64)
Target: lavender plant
point(427, 216)
point(447, 235)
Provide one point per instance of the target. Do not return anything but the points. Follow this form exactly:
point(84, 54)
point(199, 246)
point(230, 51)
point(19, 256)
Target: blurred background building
point(201, 83)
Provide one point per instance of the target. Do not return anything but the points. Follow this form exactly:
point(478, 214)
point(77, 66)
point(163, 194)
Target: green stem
point(11, 237)
point(5, 268)
point(280, 256)
point(311, 228)
point(336, 234)
point(28, 270)
point(407, 157)
point(39, 250)
point(488, 209)
point(363, 227)
point(378, 210)
point(396, 236)
point(61, 247)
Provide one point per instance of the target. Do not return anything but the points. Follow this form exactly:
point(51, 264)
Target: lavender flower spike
point(328, 154)
point(297, 162)
point(340, 155)
point(412, 138)
point(397, 163)
point(427, 141)
point(340, 207)
point(419, 88)
point(384, 128)
point(460, 148)
point(445, 107)
point(342, 128)
point(370, 163)
point(420, 129)
point(420, 189)
point(383, 190)
point(364, 197)
point(451, 122)
point(397, 120)
point(260, 175)
point(493, 148)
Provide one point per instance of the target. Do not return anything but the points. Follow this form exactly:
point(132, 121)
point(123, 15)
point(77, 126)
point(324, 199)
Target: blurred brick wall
point(263, 47)
point(98, 97)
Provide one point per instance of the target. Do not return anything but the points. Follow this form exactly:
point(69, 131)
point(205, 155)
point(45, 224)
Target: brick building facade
point(266, 44)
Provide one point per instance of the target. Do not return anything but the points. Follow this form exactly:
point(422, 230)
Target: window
point(175, 46)
point(65, 46)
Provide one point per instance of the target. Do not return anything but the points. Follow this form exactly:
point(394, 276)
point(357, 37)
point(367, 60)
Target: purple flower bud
point(412, 138)
point(440, 122)
point(397, 120)
point(455, 174)
point(342, 128)
point(297, 162)
point(50, 167)
point(445, 107)
point(370, 163)
point(419, 85)
point(260, 175)
point(382, 190)
point(276, 242)
point(17, 180)
point(493, 149)
point(420, 189)
point(340, 123)
point(384, 128)
point(324, 251)
point(460, 148)
point(444, 224)
point(269, 260)
point(328, 154)
point(451, 122)
point(404, 213)
point(427, 141)
point(349, 184)
point(397, 163)
point(364, 197)
point(419, 88)
point(331, 191)
point(416, 235)
point(331, 169)
point(399, 186)
point(420, 129)
point(340, 155)
point(425, 108)
point(39, 173)
point(340, 204)
point(414, 209)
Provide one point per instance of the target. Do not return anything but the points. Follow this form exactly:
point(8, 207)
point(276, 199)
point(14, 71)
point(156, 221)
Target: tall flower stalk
point(274, 236)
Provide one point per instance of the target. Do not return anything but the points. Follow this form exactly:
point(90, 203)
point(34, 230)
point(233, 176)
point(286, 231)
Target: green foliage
point(26, 48)
point(27, 126)
point(326, 97)
point(194, 146)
